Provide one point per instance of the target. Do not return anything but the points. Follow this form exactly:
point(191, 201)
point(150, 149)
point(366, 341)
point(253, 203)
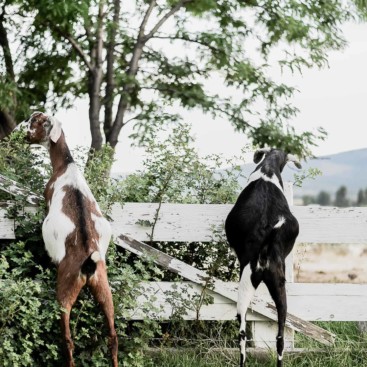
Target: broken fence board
point(14, 188)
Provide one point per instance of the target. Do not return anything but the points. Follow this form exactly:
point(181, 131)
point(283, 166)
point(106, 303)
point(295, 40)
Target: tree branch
point(4, 43)
point(95, 79)
point(134, 63)
point(99, 36)
point(199, 42)
point(75, 45)
point(174, 10)
point(110, 81)
point(146, 18)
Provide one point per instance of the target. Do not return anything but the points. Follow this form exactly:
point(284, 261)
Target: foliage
point(342, 199)
point(311, 173)
point(174, 172)
point(163, 61)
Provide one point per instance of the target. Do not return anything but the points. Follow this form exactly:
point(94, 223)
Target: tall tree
point(323, 198)
point(341, 199)
point(140, 60)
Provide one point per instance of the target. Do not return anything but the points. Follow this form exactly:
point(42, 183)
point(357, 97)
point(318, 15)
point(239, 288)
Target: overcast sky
point(334, 98)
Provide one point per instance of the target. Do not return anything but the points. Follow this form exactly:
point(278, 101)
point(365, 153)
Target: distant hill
point(347, 168)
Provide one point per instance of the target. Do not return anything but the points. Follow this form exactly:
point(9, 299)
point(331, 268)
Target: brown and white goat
point(75, 233)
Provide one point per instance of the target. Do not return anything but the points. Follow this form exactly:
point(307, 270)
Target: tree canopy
point(141, 62)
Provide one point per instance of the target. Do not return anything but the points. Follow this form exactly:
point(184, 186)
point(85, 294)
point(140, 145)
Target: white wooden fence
point(186, 222)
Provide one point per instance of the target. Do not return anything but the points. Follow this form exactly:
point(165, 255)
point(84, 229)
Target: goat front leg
point(67, 293)
point(246, 291)
point(100, 288)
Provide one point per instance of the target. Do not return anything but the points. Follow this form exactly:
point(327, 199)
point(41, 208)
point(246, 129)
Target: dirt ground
point(330, 263)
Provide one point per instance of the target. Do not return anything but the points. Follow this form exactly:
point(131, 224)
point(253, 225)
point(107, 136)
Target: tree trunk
point(124, 103)
point(7, 124)
point(94, 83)
point(7, 120)
point(110, 82)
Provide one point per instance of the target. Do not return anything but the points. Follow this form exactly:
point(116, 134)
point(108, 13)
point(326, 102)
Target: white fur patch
point(103, 229)
point(260, 267)
point(96, 256)
point(280, 357)
point(280, 222)
point(260, 175)
point(58, 223)
point(243, 348)
point(56, 227)
point(246, 293)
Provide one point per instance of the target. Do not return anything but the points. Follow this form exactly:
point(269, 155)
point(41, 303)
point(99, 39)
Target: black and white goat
point(262, 230)
point(75, 233)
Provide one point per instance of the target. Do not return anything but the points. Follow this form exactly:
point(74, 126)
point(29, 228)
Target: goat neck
point(60, 154)
point(270, 166)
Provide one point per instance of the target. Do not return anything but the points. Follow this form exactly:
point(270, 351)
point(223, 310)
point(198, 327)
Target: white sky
point(334, 98)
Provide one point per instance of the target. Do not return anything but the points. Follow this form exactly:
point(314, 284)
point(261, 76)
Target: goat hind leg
point(246, 291)
point(67, 293)
point(100, 288)
point(276, 285)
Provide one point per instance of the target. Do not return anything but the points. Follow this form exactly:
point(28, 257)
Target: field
point(323, 263)
point(316, 263)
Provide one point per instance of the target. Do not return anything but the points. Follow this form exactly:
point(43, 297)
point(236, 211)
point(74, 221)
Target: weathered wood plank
point(200, 277)
point(195, 222)
point(309, 301)
point(191, 222)
point(6, 226)
point(14, 188)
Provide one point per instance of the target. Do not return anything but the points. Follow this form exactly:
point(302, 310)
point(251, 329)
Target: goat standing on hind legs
point(75, 233)
point(262, 230)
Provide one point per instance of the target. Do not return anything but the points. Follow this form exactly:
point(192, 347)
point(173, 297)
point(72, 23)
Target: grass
point(350, 350)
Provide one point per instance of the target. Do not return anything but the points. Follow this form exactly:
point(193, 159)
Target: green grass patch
point(350, 350)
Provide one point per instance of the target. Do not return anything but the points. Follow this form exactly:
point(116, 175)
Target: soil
point(330, 263)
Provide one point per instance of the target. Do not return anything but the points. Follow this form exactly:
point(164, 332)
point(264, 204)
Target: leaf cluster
point(230, 40)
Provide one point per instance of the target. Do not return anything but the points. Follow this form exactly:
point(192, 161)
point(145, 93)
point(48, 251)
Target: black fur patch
point(89, 266)
point(82, 224)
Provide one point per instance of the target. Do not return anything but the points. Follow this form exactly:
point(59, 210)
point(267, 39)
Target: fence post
point(264, 332)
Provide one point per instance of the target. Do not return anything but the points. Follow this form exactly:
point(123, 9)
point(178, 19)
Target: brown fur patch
point(37, 129)
point(80, 209)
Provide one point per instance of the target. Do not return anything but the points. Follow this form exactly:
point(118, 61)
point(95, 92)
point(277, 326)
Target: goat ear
point(292, 158)
point(56, 130)
point(258, 155)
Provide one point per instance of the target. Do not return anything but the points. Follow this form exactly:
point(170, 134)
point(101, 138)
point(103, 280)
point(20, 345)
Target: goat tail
point(89, 265)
